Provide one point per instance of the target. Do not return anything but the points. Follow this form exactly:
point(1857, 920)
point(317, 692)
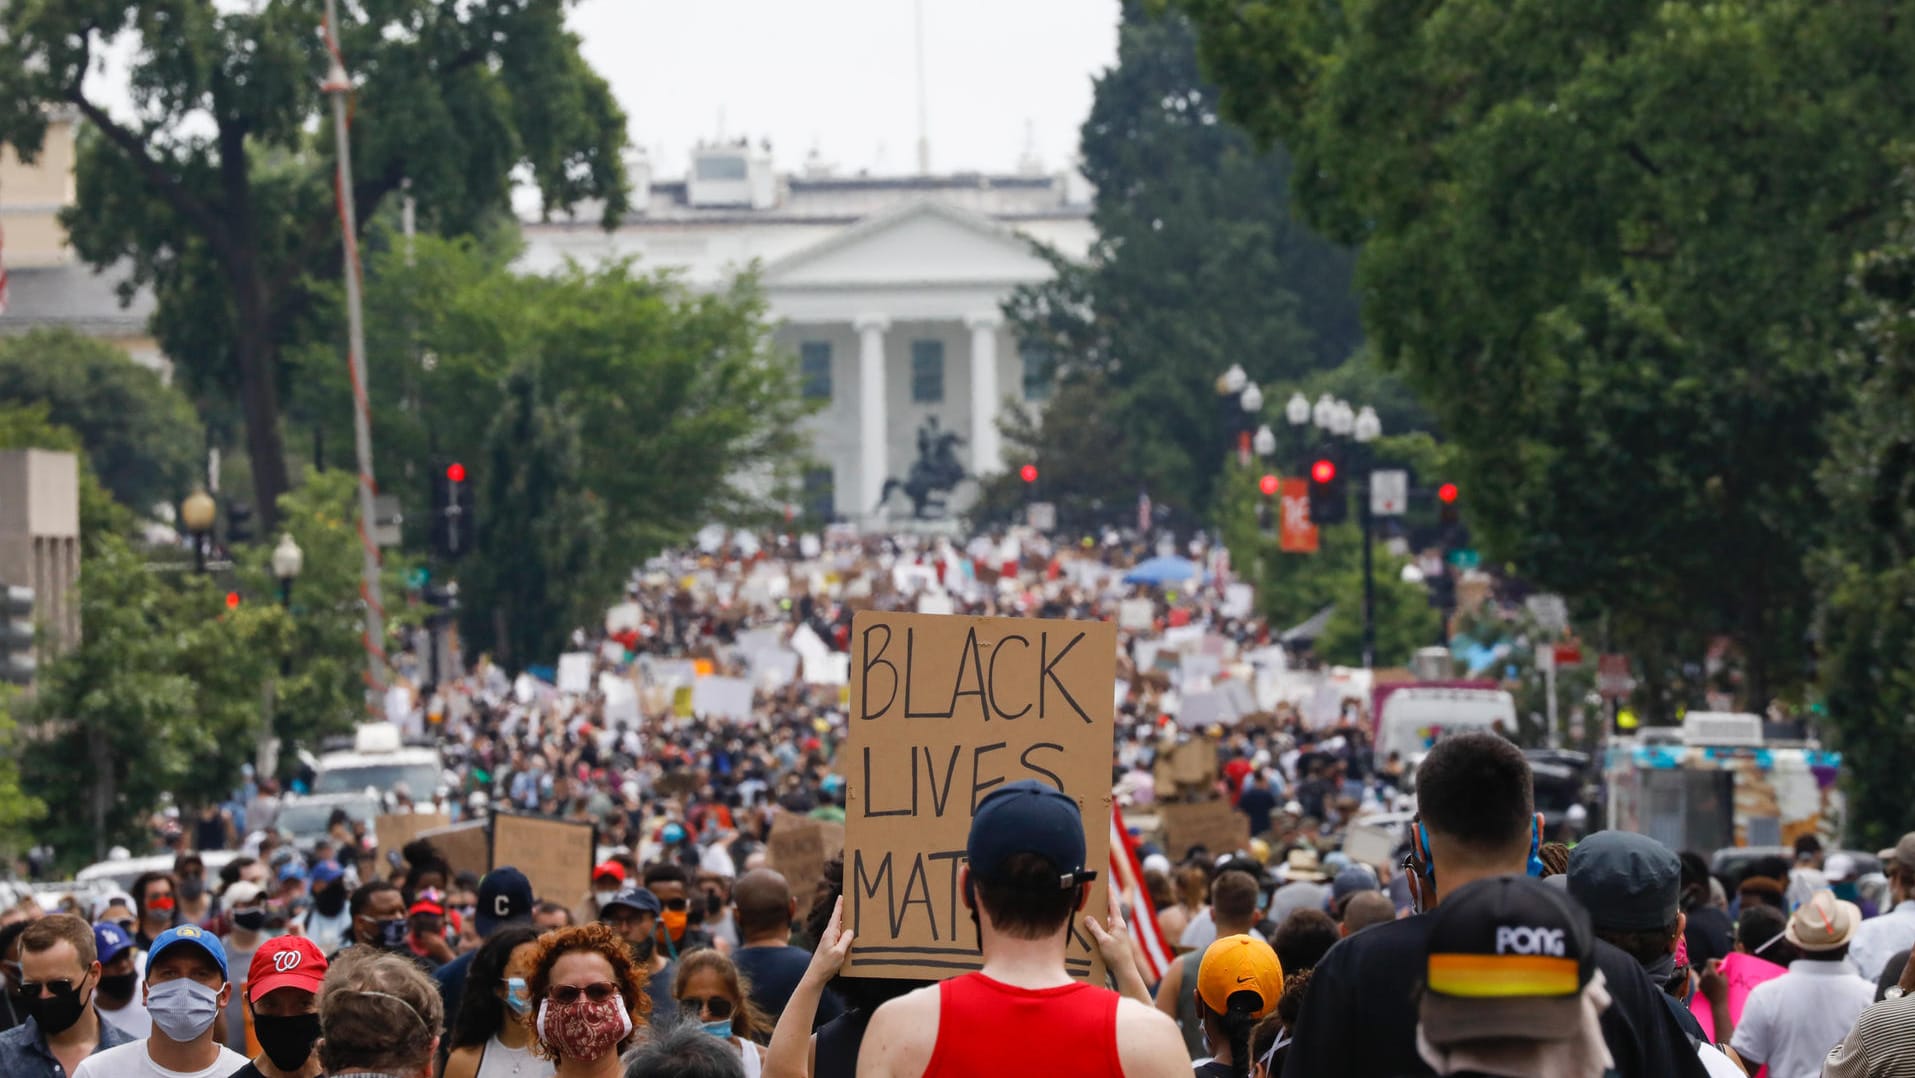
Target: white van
point(379, 761)
point(1415, 717)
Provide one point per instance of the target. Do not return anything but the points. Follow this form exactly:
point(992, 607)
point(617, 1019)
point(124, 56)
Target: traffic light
point(1446, 496)
point(1028, 473)
point(454, 525)
point(1328, 505)
point(232, 600)
point(1268, 485)
point(17, 650)
point(239, 523)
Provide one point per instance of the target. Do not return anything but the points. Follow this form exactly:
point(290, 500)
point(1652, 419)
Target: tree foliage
point(1868, 568)
point(541, 543)
point(680, 409)
point(1198, 264)
point(218, 191)
point(1607, 244)
point(140, 434)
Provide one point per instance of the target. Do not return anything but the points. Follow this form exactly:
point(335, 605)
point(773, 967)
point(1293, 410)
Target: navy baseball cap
point(505, 897)
point(1028, 817)
point(189, 936)
point(110, 940)
point(1627, 882)
point(634, 898)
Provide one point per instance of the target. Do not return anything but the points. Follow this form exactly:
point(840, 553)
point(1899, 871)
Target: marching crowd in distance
point(1483, 948)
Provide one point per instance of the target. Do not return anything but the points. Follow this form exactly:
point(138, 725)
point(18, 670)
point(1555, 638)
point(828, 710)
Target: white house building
point(887, 290)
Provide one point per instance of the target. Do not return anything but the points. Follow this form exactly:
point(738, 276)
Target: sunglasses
point(716, 1006)
point(62, 987)
point(567, 994)
point(677, 904)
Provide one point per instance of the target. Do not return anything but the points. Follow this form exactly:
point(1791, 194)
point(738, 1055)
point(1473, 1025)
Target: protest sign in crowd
point(823, 807)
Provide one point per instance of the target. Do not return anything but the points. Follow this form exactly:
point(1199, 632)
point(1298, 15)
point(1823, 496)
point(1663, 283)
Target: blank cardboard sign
point(1214, 825)
point(555, 855)
point(467, 847)
point(798, 849)
point(943, 710)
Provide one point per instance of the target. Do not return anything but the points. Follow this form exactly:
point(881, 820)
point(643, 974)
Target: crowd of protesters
point(1483, 947)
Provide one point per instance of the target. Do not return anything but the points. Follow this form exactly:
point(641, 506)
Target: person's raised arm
point(790, 1054)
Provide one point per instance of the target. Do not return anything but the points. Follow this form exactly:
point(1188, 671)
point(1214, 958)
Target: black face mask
point(329, 901)
point(392, 933)
point(287, 1040)
point(192, 887)
point(642, 950)
point(56, 1013)
point(250, 920)
point(119, 986)
point(714, 905)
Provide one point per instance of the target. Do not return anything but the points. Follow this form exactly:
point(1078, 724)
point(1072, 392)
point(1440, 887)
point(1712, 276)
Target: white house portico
point(888, 292)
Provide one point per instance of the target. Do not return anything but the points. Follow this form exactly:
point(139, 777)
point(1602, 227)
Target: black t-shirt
point(1708, 935)
point(1257, 803)
point(836, 1053)
point(248, 1071)
point(774, 973)
point(1213, 1069)
point(1360, 1014)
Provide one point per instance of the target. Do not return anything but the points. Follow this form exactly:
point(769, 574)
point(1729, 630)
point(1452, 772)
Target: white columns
point(873, 430)
point(986, 455)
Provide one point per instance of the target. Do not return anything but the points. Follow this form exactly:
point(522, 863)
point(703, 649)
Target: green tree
point(1868, 566)
point(685, 412)
point(540, 565)
point(219, 190)
point(1198, 264)
point(141, 435)
point(1606, 244)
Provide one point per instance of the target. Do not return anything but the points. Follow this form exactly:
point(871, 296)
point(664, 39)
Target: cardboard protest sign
point(467, 847)
point(575, 672)
point(1375, 846)
point(397, 829)
point(943, 709)
point(555, 855)
point(1214, 825)
point(798, 849)
point(1194, 762)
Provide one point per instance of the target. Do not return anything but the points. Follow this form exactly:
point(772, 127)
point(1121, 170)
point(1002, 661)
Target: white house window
point(814, 366)
point(927, 372)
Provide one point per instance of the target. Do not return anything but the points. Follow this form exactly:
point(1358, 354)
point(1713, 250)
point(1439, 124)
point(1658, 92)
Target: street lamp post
point(197, 513)
point(1367, 428)
point(288, 560)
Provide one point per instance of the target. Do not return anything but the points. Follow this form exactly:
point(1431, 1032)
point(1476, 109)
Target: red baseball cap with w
point(285, 962)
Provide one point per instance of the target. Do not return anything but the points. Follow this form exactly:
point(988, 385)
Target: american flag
point(1143, 513)
point(1127, 876)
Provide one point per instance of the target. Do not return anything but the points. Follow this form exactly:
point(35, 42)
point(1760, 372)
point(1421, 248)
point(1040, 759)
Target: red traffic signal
point(1028, 473)
point(1446, 494)
point(1268, 484)
point(232, 600)
point(455, 472)
point(1323, 471)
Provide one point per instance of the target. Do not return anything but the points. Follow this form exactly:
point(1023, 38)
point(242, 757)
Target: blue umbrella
point(1160, 571)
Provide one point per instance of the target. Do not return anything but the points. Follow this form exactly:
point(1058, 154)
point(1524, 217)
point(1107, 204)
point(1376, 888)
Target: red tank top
point(986, 1027)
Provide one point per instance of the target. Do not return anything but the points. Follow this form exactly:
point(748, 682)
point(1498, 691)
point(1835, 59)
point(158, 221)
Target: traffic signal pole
point(338, 86)
point(1369, 575)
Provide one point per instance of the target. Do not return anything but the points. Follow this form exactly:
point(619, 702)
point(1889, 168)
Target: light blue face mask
point(517, 995)
point(720, 1029)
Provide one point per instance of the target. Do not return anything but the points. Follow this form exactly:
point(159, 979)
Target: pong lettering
point(1523, 939)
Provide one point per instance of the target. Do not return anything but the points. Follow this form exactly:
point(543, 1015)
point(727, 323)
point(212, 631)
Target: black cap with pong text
point(1028, 817)
point(1509, 958)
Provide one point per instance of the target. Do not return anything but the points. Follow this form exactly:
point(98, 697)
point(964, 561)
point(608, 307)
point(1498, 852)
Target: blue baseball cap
point(292, 870)
point(1028, 817)
point(110, 940)
point(327, 871)
point(505, 898)
point(189, 936)
point(635, 898)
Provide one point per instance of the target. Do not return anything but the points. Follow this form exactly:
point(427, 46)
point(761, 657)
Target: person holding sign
point(1024, 881)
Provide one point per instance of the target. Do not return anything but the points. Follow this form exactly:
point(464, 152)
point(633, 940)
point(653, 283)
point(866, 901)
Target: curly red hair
point(601, 940)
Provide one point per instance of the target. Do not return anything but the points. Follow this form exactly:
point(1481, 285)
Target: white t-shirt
point(131, 1019)
point(132, 1061)
point(1791, 1022)
point(1717, 1064)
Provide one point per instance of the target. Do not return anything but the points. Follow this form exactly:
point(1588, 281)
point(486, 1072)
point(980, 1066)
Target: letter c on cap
point(501, 906)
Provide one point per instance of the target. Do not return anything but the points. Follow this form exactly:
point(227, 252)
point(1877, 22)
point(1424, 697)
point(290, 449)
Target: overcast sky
point(841, 75)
